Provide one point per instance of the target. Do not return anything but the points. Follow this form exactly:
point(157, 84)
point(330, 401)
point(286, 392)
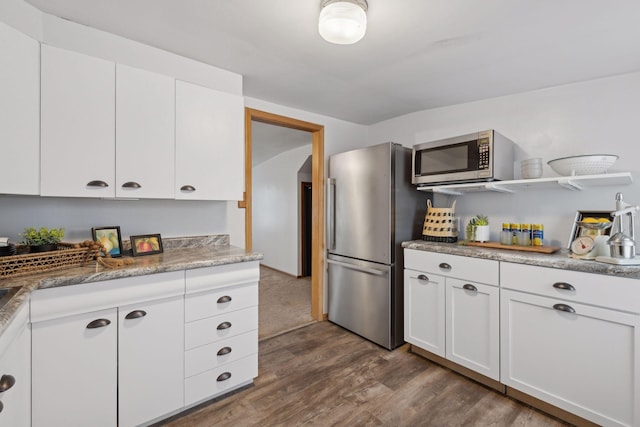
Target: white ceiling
point(416, 55)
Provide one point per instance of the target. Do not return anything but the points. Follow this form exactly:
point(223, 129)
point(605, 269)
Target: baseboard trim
point(550, 409)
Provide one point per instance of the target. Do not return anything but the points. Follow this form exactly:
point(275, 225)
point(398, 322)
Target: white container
point(583, 165)
point(531, 168)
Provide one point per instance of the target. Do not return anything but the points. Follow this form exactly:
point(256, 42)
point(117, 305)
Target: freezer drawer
point(360, 298)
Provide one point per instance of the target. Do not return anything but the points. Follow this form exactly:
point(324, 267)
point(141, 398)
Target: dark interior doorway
point(305, 232)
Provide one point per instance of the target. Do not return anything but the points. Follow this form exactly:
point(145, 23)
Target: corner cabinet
point(19, 112)
point(77, 124)
point(573, 340)
point(209, 144)
point(452, 309)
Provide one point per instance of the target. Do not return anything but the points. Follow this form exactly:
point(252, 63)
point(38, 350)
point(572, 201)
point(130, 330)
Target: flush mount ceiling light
point(343, 21)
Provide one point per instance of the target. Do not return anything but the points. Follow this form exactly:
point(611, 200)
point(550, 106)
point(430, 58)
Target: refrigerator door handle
point(331, 217)
point(358, 268)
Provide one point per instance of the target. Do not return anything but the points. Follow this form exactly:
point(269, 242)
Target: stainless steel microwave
point(480, 156)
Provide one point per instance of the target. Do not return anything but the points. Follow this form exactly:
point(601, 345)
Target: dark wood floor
point(323, 375)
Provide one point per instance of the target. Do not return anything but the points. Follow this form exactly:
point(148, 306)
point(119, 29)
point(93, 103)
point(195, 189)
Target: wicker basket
point(440, 224)
point(65, 257)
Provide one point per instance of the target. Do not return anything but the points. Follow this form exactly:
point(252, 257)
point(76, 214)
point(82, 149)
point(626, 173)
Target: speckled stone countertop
point(179, 254)
point(559, 259)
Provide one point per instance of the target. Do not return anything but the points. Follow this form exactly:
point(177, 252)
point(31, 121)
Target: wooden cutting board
point(497, 245)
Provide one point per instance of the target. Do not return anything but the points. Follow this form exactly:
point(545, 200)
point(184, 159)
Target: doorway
point(305, 228)
point(317, 196)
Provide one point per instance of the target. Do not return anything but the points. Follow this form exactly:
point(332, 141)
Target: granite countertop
point(178, 255)
point(558, 259)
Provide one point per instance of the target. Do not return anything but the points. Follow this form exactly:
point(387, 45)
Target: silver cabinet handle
point(136, 314)
point(223, 351)
point(224, 299)
point(445, 266)
point(423, 277)
point(358, 268)
point(224, 376)
point(97, 183)
point(469, 287)
point(99, 323)
point(188, 188)
point(331, 213)
point(564, 286)
point(6, 382)
point(564, 307)
point(224, 325)
point(131, 184)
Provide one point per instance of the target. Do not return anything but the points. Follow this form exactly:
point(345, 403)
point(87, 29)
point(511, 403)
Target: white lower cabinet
point(567, 341)
point(449, 313)
point(15, 372)
point(108, 353)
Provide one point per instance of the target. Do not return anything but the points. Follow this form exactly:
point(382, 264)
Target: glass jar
point(524, 237)
point(506, 234)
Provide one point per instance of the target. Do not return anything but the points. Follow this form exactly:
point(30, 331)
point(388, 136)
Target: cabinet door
point(473, 327)
point(145, 134)
point(74, 369)
point(150, 360)
point(209, 144)
point(15, 373)
point(78, 125)
point(19, 112)
point(577, 357)
point(424, 311)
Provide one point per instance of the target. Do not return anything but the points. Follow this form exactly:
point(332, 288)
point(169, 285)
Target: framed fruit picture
point(110, 239)
point(147, 244)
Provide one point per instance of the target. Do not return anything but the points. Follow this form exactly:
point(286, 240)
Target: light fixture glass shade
point(343, 22)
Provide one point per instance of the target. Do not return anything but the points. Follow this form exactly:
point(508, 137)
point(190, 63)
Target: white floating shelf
point(575, 183)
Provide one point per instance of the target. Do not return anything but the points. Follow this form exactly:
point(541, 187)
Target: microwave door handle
point(331, 216)
point(358, 267)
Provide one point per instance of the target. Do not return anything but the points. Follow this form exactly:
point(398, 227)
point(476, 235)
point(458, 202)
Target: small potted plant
point(43, 239)
point(478, 228)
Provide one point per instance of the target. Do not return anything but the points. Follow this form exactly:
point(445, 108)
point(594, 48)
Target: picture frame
point(146, 244)
point(110, 238)
point(580, 215)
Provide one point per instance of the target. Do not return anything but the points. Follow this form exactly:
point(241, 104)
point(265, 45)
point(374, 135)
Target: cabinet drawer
point(220, 301)
point(204, 358)
point(460, 267)
point(204, 279)
point(597, 289)
point(210, 384)
point(206, 331)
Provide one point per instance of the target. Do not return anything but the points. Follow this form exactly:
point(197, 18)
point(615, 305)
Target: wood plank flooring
point(323, 375)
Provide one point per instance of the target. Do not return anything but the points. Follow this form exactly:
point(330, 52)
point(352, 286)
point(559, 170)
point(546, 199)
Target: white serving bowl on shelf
point(591, 164)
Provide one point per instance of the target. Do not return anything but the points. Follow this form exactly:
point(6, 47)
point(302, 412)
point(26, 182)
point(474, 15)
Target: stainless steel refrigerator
point(372, 209)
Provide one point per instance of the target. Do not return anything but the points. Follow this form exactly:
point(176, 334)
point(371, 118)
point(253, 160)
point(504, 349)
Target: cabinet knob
point(224, 376)
point(136, 314)
point(564, 307)
point(224, 299)
point(188, 188)
point(99, 323)
point(564, 286)
point(97, 183)
point(131, 184)
point(469, 287)
point(224, 325)
point(6, 382)
point(445, 266)
point(224, 350)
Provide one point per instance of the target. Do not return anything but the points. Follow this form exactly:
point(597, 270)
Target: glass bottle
point(524, 237)
point(506, 234)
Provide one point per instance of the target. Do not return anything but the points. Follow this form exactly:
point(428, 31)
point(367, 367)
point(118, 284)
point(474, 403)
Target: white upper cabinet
point(209, 144)
point(145, 134)
point(19, 112)
point(78, 132)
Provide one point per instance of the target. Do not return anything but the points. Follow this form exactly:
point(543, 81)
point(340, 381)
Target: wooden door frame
point(317, 197)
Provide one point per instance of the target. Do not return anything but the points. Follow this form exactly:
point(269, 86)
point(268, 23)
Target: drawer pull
point(469, 287)
point(131, 184)
point(99, 323)
point(136, 314)
point(224, 376)
point(224, 325)
point(97, 183)
point(224, 299)
point(1, 406)
point(445, 266)
point(6, 382)
point(564, 307)
point(224, 350)
point(423, 277)
point(564, 286)
point(188, 188)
